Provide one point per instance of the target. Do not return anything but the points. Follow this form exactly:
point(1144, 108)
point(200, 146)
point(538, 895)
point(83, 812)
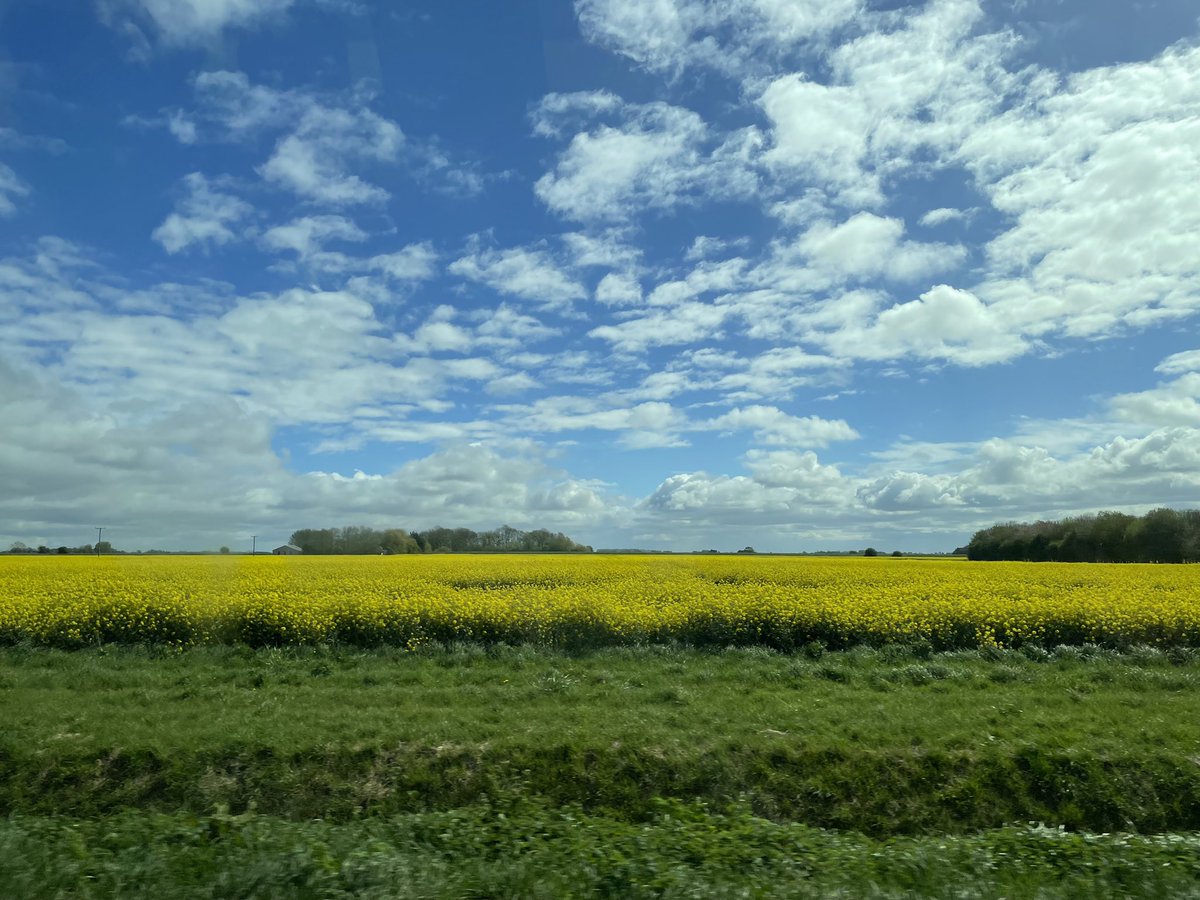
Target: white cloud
point(295, 357)
point(556, 414)
point(706, 246)
point(10, 186)
point(204, 218)
point(785, 488)
point(206, 475)
point(307, 236)
point(912, 491)
point(1005, 479)
point(416, 262)
point(311, 161)
point(441, 336)
point(893, 98)
point(507, 328)
point(1178, 363)
point(1176, 402)
point(822, 130)
point(610, 249)
point(234, 109)
point(733, 37)
point(944, 214)
point(943, 324)
point(1101, 178)
point(684, 323)
point(182, 128)
point(515, 383)
point(773, 426)
point(618, 289)
point(194, 21)
point(775, 373)
point(324, 142)
point(655, 157)
point(870, 246)
point(529, 273)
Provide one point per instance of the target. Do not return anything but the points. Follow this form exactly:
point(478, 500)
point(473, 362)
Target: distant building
point(287, 550)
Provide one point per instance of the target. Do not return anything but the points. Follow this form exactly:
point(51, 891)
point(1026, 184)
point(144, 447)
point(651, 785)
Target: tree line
point(1161, 535)
point(359, 539)
point(102, 547)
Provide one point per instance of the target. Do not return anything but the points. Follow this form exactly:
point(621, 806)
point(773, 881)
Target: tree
point(397, 540)
point(870, 551)
point(103, 547)
point(1162, 536)
point(897, 553)
point(225, 550)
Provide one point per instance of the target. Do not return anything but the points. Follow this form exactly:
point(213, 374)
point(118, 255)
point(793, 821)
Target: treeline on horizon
point(359, 539)
point(1160, 536)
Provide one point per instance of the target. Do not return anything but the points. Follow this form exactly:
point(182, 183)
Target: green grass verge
point(885, 742)
point(531, 850)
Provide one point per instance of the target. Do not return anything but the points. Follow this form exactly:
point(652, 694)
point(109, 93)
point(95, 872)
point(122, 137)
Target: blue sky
point(801, 274)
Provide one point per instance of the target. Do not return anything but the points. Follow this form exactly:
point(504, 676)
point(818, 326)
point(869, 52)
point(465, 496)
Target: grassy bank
point(529, 850)
point(884, 742)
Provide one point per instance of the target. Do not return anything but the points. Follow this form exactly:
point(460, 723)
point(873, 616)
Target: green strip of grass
point(530, 850)
point(885, 742)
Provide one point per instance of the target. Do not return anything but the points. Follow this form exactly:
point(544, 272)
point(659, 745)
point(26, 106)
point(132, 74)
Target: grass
point(886, 742)
point(531, 850)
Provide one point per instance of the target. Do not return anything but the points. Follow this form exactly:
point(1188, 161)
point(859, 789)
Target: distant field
point(593, 601)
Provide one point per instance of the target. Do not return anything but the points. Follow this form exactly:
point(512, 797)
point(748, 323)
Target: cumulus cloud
point(1176, 402)
point(302, 355)
point(786, 492)
point(311, 160)
point(528, 273)
point(942, 215)
point(773, 426)
point(646, 157)
point(618, 289)
point(307, 236)
point(893, 96)
point(791, 495)
point(205, 475)
point(1176, 363)
point(670, 35)
point(204, 218)
point(684, 323)
point(325, 143)
point(1005, 479)
point(871, 246)
point(944, 323)
point(1103, 192)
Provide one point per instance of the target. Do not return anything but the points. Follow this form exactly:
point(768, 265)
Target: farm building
point(287, 550)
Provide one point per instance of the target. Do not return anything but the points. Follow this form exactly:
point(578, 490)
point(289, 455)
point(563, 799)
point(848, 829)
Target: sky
point(671, 274)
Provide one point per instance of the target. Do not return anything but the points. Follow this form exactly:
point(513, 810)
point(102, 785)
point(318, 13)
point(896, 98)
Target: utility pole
point(254, 545)
point(99, 532)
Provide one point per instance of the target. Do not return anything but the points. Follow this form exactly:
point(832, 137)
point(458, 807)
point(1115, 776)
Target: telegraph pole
point(99, 532)
point(254, 545)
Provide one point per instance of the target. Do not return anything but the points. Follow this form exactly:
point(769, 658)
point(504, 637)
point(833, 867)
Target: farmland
point(590, 602)
point(600, 726)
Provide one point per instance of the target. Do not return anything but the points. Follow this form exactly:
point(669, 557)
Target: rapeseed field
point(593, 601)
